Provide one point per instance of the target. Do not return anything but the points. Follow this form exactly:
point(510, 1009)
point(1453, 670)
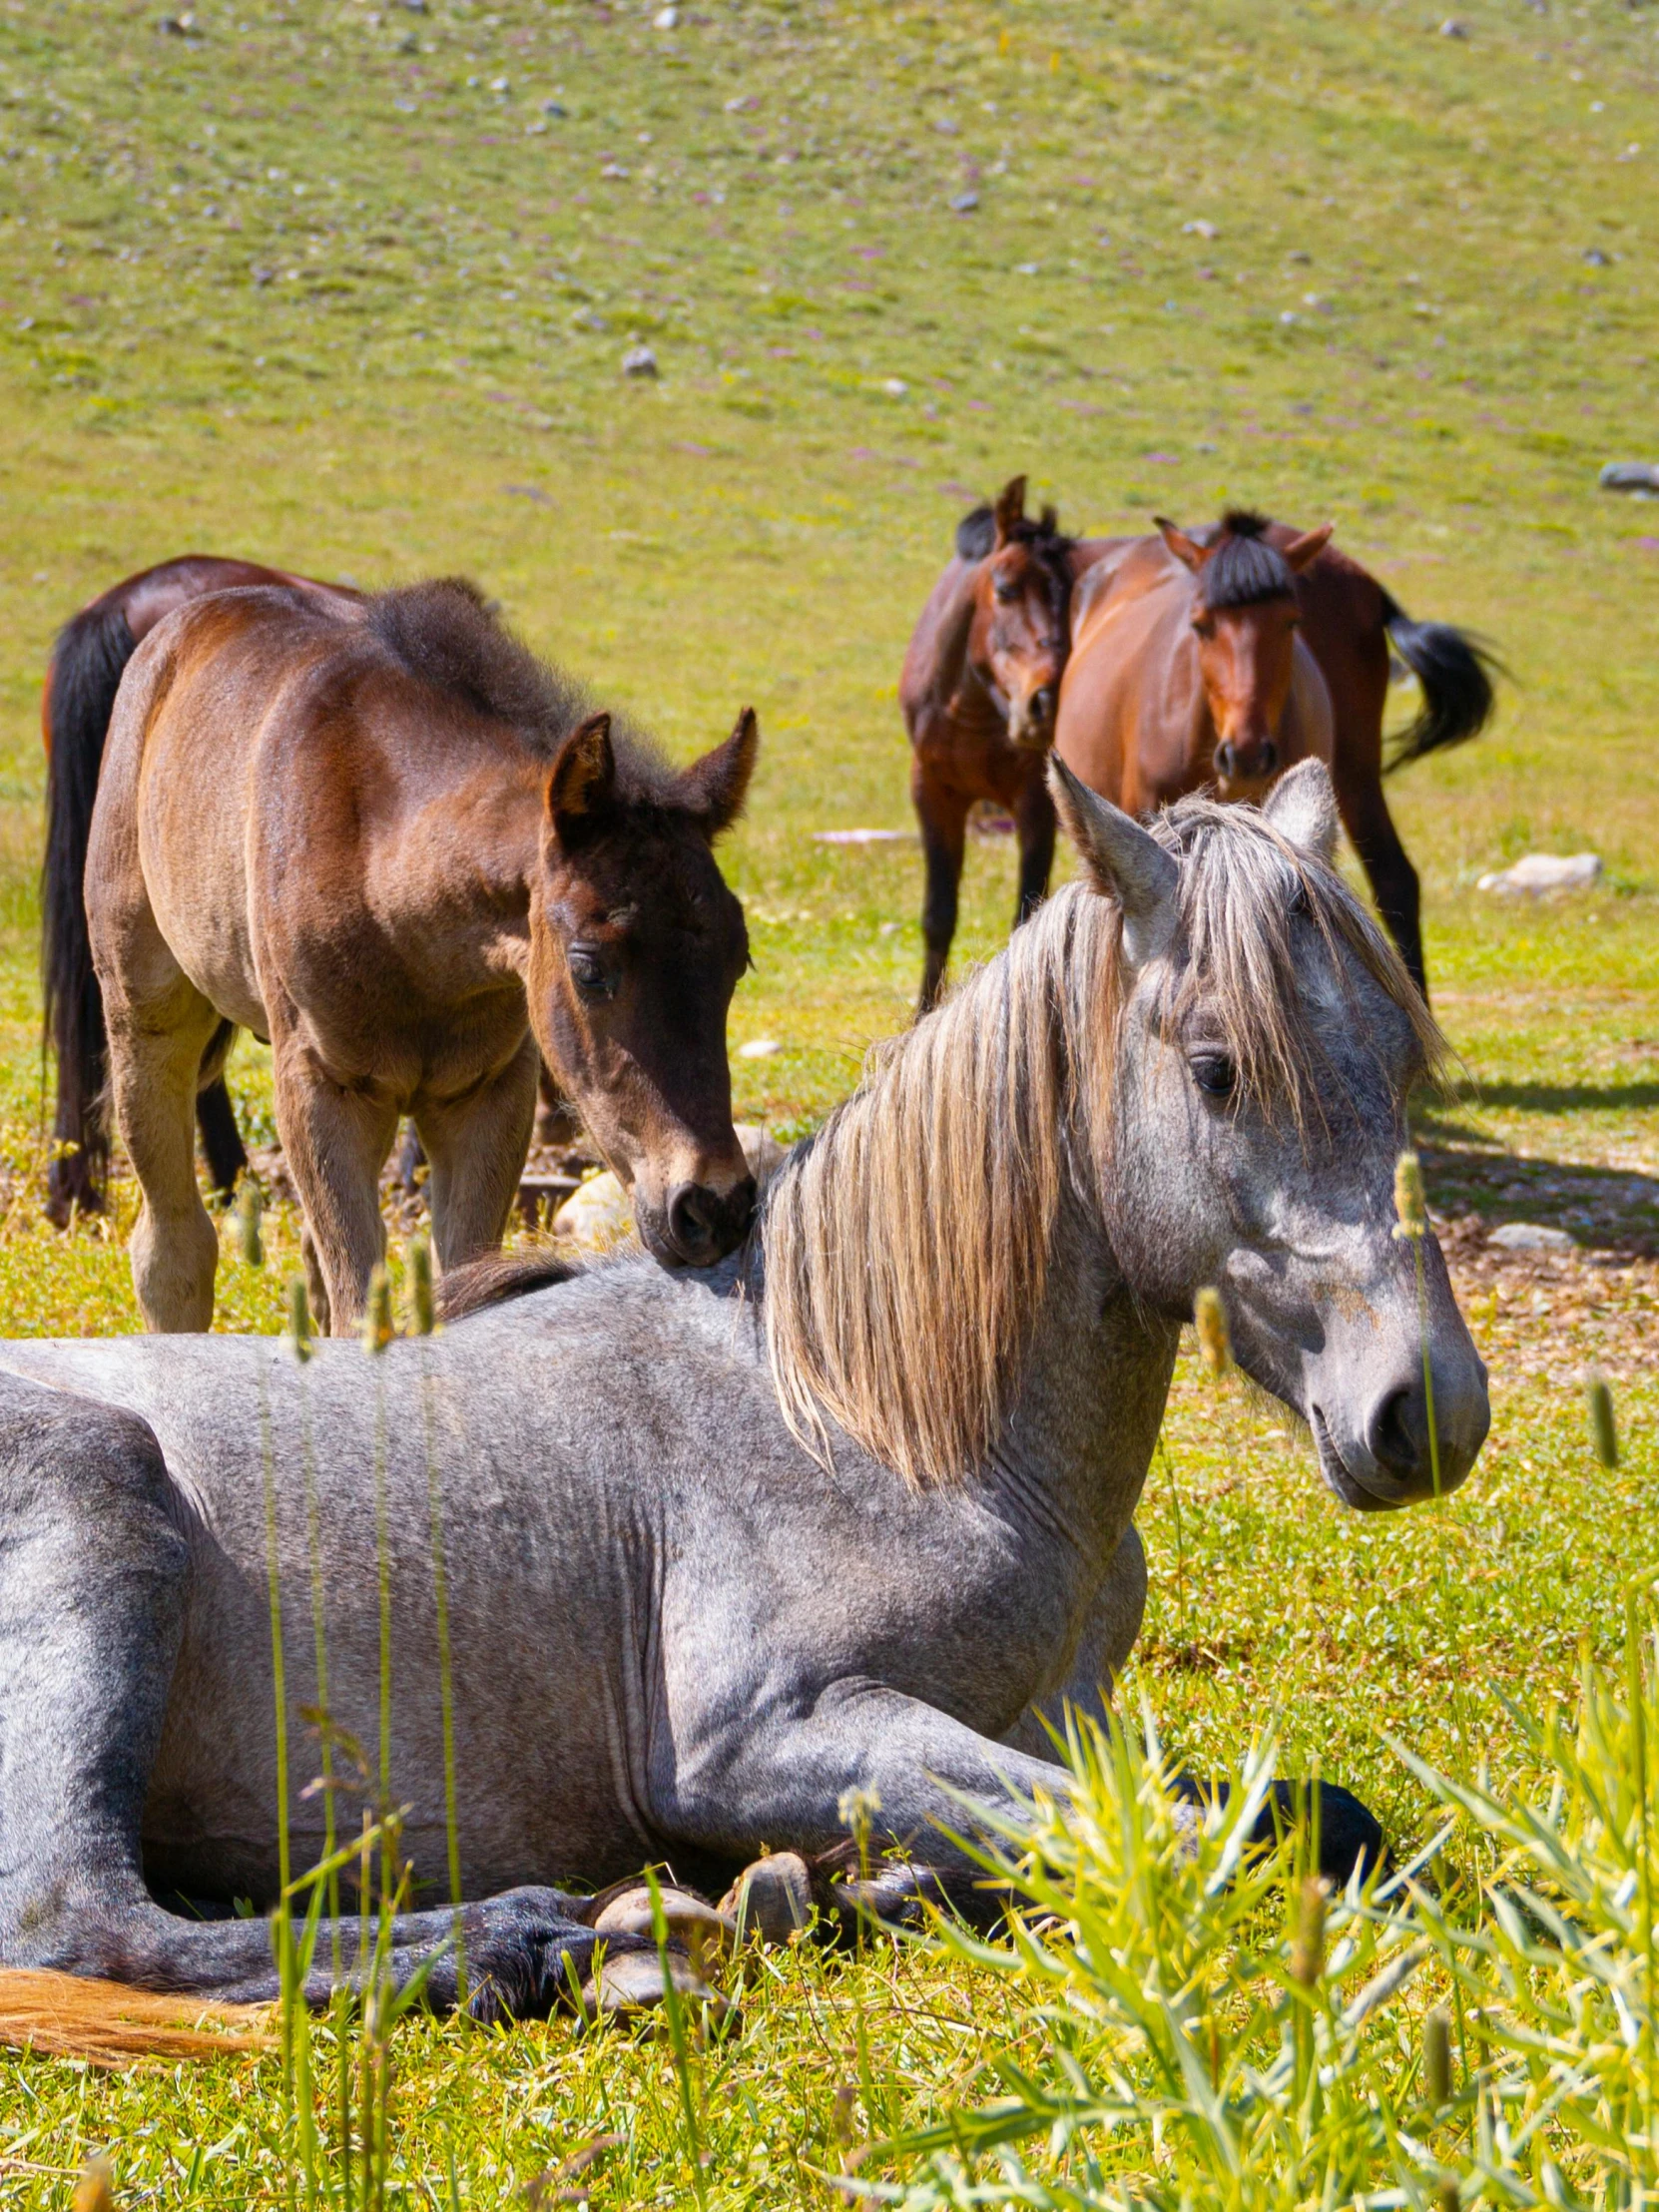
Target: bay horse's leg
point(94, 1584)
point(1393, 879)
point(335, 1142)
point(477, 1148)
point(154, 1059)
point(1034, 819)
point(944, 817)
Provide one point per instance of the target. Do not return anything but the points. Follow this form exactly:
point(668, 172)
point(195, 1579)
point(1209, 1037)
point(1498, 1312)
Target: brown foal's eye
point(587, 972)
point(1004, 591)
point(1204, 626)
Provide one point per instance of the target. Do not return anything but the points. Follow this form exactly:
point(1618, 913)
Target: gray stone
point(1541, 872)
point(1532, 1235)
point(1632, 476)
point(639, 360)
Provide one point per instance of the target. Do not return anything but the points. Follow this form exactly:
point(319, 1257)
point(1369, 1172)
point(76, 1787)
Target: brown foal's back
point(379, 832)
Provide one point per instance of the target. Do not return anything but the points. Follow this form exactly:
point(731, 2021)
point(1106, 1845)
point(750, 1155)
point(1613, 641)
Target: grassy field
point(348, 289)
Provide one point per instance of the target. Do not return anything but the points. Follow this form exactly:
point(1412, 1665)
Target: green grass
point(308, 287)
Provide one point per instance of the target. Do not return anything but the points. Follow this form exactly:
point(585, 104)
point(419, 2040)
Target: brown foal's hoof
point(772, 1900)
point(630, 1984)
point(703, 1931)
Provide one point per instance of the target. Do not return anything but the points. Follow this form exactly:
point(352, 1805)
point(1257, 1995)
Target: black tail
point(1455, 671)
point(86, 663)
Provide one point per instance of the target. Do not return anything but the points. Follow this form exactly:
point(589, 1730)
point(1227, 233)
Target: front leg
point(783, 1780)
point(477, 1147)
point(1034, 819)
point(942, 815)
point(1109, 1634)
point(335, 1139)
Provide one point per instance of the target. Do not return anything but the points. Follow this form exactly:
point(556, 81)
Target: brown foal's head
point(1244, 617)
point(636, 946)
point(1022, 631)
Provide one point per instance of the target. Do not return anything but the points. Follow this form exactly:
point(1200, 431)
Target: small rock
point(1541, 872)
point(1452, 28)
point(596, 1217)
point(1199, 229)
point(1597, 258)
point(639, 360)
point(758, 1048)
point(894, 386)
point(1637, 476)
point(1532, 1235)
point(964, 202)
point(665, 19)
point(555, 108)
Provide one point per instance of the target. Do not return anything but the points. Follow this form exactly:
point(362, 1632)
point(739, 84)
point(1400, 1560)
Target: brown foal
point(378, 832)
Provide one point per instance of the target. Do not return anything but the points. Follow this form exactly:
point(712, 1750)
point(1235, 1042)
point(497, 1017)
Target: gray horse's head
point(1265, 1044)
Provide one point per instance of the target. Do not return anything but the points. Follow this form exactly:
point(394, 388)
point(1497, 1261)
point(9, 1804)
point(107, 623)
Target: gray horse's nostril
point(1398, 1435)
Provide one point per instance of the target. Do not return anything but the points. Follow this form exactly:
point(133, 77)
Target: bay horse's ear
point(1009, 511)
point(1186, 550)
point(1121, 861)
point(1302, 552)
point(715, 787)
point(582, 777)
point(1303, 808)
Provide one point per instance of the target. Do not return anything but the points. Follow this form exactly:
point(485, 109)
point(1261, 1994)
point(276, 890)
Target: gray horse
point(850, 1513)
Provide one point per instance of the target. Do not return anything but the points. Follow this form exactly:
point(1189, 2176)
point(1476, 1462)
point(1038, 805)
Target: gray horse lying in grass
point(849, 1513)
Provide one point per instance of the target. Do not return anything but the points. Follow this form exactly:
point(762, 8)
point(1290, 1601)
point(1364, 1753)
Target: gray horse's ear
point(1121, 861)
point(582, 776)
point(1303, 808)
point(715, 787)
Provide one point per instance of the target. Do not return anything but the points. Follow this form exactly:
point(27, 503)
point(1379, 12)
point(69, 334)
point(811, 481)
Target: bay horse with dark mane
point(378, 833)
point(978, 693)
point(89, 656)
point(1216, 659)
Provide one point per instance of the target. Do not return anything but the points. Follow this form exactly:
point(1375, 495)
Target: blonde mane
point(907, 1247)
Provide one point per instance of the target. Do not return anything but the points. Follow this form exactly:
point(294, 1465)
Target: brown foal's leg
point(944, 817)
point(335, 1142)
point(152, 1078)
point(476, 1146)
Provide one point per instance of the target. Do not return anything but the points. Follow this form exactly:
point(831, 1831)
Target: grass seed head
point(1308, 1952)
point(1410, 1204)
point(1437, 2058)
point(95, 2191)
point(300, 1317)
point(422, 1304)
point(1605, 1433)
point(1213, 1342)
point(377, 1322)
point(250, 1206)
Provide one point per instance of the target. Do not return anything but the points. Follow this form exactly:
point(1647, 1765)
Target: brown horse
point(1215, 661)
point(82, 678)
point(378, 832)
point(978, 692)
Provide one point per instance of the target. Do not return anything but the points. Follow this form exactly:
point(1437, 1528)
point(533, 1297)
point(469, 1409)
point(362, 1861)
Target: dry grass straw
point(66, 2015)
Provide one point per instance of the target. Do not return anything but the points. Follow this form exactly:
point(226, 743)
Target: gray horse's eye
point(587, 972)
point(1214, 1073)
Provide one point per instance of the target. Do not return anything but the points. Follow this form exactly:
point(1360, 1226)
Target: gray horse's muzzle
point(1384, 1458)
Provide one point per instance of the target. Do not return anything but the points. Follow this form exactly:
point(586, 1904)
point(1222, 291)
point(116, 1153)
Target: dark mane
point(1244, 570)
point(447, 636)
point(498, 1277)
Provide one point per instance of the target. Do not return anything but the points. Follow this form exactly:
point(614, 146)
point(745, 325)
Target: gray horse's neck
point(1079, 1437)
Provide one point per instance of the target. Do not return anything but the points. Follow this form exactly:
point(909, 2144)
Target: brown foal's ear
point(715, 787)
point(1009, 511)
point(582, 776)
point(1305, 550)
point(1120, 860)
point(1186, 550)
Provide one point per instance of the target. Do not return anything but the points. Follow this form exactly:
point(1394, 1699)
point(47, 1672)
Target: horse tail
point(91, 652)
point(1455, 671)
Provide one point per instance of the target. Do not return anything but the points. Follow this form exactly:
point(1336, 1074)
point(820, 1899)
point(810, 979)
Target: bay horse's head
point(636, 946)
point(1244, 617)
point(1021, 630)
